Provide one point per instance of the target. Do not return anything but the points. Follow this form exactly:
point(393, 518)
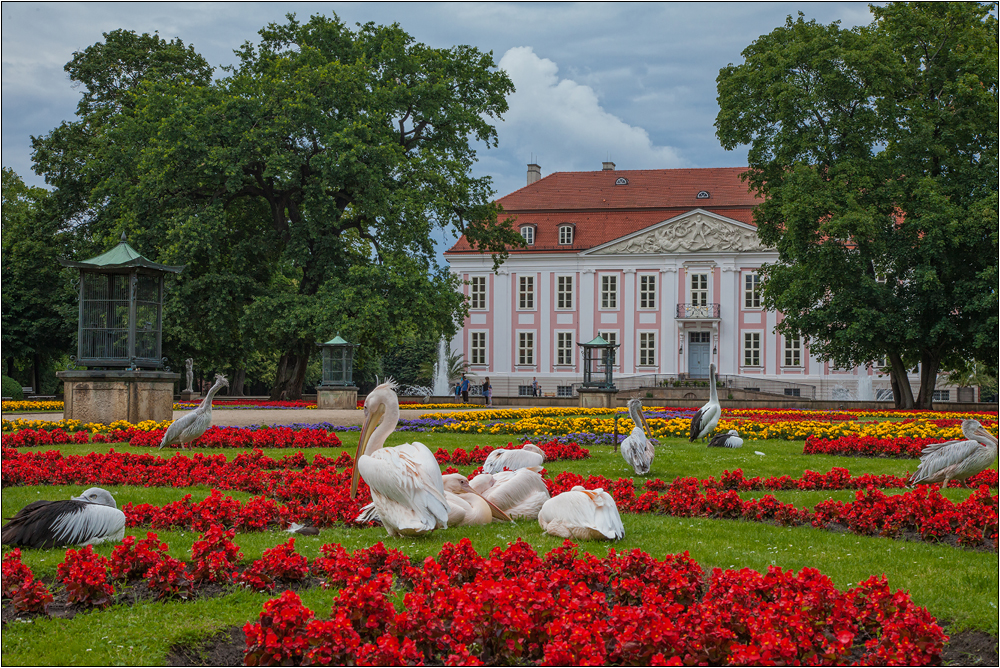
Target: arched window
point(566, 235)
point(528, 232)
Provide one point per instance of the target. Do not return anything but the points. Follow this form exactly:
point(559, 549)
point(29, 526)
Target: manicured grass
point(954, 584)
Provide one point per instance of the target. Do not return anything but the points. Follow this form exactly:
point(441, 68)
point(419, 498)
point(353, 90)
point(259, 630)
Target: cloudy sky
point(633, 82)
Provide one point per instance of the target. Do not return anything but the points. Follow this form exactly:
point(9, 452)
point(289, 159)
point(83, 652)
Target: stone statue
point(189, 365)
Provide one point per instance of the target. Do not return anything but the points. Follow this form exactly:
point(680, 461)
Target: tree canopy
point(300, 188)
point(876, 151)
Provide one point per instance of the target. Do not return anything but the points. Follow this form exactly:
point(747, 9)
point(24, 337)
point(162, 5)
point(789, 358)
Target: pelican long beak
point(495, 510)
point(645, 425)
point(372, 421)
point(982, 432)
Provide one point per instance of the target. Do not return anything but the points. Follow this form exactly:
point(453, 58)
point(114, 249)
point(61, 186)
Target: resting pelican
point(466, 506)
point(405, 480)
point(528, 455)
point(956, 460)
point(583, 514)
point(189, 427)
point(704, 421)
point(89, 519)
point(637, 449)
point(519, 493)
point(730, 439)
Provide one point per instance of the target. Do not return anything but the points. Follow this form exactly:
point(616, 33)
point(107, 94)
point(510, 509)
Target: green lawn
point(960, 586)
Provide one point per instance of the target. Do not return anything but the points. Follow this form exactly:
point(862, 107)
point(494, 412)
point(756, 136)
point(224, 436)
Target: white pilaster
point(668, 319)
point(630, 346)
point(586, 310)
point(729, 313)
point(545, 316)
point(503, 323)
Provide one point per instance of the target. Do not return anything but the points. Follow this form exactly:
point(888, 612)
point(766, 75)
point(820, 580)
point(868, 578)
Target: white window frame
point(608, 293)
point(560, 293)
point(611, 336)
point(751, 293)
point(565, 354)
point(751, 344)
point(566, 233)
point(707, 273)
point(522, 292)
point(792, 348)
point(647, 348)
point(652, 301)
point(522, 359)
point(484, 349)
point(528, 234)
point(473, 281)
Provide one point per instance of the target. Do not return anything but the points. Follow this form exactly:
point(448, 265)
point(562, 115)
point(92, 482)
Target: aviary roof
point(602, 211)
point(121, 256)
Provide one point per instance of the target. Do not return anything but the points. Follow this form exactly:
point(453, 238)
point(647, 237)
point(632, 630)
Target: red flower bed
point(256, 403)
point(512, 607)
point(214, 437)
point(553, 450)
point(868, 446)
point(85, 576)
point(26, 594)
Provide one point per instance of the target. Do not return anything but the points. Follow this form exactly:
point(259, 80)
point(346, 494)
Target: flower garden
point(803, 547)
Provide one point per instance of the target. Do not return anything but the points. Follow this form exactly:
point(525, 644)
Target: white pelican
point(528, 455)
point(466, 506)
point(583, 514)
point(405, 480)
point(189, 427)
point(519, 493)
point(956, 460)
point(731, 439)
point(637, 449)
point(704, 421)
point(89, 519)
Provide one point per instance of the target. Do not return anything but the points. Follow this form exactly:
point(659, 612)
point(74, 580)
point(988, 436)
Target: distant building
point(664, 262)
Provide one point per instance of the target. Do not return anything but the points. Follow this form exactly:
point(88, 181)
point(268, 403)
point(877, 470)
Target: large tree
point(876, 152)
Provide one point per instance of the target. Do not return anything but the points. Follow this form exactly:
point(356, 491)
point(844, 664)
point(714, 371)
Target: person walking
point(488, 391)
point(458, 391)
point(534, 386)
point(465, 389)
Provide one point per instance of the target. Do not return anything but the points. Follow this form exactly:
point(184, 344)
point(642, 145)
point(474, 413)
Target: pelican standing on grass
point(704, 421)
point(637, 449)
point(89, 519)
point(189, 427)
point(519, 493)
point(528, 455)
point(582, 514)
point(405, 480)
point(466, 506)
point(731, 439)
point(956, 460)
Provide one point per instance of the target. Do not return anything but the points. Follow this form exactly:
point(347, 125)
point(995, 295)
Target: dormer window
point(702, 194)
point(565, 235)
point(528, 232)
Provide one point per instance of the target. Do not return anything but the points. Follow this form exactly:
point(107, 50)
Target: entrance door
point(699, 354)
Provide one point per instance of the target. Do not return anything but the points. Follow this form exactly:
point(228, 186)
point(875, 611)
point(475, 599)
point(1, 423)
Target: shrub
point(12, 389)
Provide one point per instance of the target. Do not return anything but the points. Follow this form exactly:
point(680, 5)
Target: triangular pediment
point(693, 232)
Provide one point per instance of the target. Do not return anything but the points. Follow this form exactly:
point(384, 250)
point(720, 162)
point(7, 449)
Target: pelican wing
point(501, 459)
point(176, 428)
point(696, 424)
point(725, 441)
point(458, 509)
point(638, 451)
point(406, 487)
point(580, 512)
point(946, 461)
point(91, 525)
point(931, 448)
point(519, 493)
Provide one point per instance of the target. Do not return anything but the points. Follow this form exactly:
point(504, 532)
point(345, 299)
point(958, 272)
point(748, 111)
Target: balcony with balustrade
point(698, 312)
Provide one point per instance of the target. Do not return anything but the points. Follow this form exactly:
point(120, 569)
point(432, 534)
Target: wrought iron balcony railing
point(697, 311)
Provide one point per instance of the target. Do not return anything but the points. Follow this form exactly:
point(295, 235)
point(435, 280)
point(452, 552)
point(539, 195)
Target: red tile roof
point(603, 211)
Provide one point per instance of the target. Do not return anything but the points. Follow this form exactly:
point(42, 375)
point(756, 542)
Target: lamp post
point(337, 389)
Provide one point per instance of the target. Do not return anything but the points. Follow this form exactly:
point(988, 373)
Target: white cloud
point(563, 123)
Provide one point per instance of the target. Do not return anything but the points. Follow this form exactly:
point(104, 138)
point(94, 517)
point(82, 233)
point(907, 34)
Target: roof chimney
point(534, 173)
point(608, 166)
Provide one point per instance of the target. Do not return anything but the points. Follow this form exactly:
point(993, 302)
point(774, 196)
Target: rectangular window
point(942, 395)
point(699, 289)
point(647, 349)
point(612, 338)
point(526, 292)
point(647, 291)
point(477, 292)
point(793, 392)
point(524, 390)
point(751, 291)
point(564, 390)
point(793, 352)
point(477, 352)
point(564, 292)
point(528, 232)
point(564, 348)
point(751, 348)
point(566, 234)
point(609, 292)
point(526, 348)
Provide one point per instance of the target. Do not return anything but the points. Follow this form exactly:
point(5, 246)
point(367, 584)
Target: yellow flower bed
point(31, 405)
point(76, 425)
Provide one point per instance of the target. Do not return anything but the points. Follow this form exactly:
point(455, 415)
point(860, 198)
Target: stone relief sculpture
point(189, 366)
point(694, 233)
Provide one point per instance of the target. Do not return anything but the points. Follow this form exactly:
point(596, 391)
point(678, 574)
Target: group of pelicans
point(411, 497)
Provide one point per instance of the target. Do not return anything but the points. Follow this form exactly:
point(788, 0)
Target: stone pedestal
point(337, 397)
point(594, 397)
point(107, 396)
point(190, 396)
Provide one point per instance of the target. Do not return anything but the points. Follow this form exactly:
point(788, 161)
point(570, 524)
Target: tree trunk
point(929, 365)
point(901, 382)
point(239, 378)
point(290, 376)
point(36, 373)
point(897, 399)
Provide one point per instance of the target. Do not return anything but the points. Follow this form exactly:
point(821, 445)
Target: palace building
point(664, 262)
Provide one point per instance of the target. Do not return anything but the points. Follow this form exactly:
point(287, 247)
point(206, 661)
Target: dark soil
point(971, 648)
point(915, 537)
